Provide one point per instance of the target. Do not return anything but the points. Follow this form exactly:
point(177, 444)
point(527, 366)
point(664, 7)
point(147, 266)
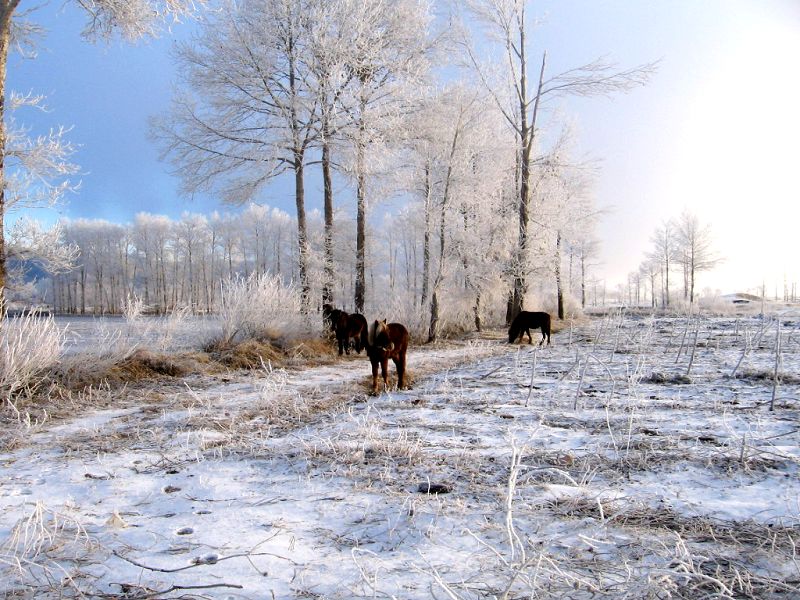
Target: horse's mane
point(374, 328)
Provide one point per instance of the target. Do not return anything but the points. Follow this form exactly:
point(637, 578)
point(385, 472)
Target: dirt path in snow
point(237, 395)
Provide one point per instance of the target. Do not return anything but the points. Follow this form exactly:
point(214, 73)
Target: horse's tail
point(371, 333)
point(365, 337)
point(513, 331)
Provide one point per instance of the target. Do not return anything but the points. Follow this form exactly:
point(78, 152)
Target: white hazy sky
point(716, 131)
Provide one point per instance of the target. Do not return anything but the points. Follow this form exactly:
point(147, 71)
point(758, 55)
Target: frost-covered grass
point(632, 459)
point(30, 345)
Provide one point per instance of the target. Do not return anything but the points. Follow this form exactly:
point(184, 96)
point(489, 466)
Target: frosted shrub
point(456, 311)
point(401, 308)
point(178, 322)
point(133, 308)
point(30, 345)
point(260, 306)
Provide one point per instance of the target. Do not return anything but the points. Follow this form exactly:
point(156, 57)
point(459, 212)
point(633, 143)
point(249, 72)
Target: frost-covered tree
point(36, 171)
point(664, 252)
point(31, 246)
point(390, 44)
point(521, 99)
point(695, 250)
point(246, 110)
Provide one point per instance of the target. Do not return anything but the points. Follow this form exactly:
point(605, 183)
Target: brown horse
point(350, 327)
point(525, 321)
point(386, 341)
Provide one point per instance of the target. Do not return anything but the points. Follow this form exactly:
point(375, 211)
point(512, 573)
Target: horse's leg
point(374, 376)
point(341, 345)
point(528, 331)
point(400, 365)
point(385, 372)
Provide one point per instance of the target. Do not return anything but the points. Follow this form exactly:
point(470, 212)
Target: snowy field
point(634, 458)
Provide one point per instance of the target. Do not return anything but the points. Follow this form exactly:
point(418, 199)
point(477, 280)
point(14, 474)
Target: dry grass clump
point(738, 534)
point(249, 354)
point(144, 364)
point(667, 378)
point(44, 554)
point(768, 375)
point(140, 365)
point(319, 349)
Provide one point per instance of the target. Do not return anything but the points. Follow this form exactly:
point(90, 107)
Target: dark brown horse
point(525, 321)
point(351, 327)
point(386, 341)
point(330, 317)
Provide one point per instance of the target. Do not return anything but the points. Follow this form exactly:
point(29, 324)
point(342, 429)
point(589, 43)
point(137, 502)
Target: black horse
point(330, 316)
point(351, 327)
point(525, 321)
point(385, 341)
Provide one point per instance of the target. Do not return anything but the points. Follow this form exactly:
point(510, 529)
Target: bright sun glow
point(735, 158)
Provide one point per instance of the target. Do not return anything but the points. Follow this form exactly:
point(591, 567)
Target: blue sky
point(715, 131)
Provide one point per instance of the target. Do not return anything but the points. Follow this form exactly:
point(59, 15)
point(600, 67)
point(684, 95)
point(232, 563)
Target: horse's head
point(378, 336)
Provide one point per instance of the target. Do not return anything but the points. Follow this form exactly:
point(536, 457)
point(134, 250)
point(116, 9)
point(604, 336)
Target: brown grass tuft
point(141, 365)
point(144, 364)
point(320, 349)
point(250, 354)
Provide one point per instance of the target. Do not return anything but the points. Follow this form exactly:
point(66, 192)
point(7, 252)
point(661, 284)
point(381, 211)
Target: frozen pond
point(166, 334)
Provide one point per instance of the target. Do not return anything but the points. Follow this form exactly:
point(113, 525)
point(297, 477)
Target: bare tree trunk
point(527, 137)
point(434, 323)
point(559, 286)
point(302, 237)
point(83, 289)
point(361, 207)
point(426, 239)
point(327, 185)
point(477, 312)
point(7, 8)
point(583, 279)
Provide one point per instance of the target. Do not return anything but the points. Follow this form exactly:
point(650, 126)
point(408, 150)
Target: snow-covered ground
point(623, 461)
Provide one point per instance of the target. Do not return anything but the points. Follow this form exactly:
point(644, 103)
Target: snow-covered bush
point(260, 306)
point(30, 345)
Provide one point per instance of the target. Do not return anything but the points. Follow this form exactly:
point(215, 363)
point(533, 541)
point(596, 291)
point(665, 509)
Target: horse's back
point(398, 334)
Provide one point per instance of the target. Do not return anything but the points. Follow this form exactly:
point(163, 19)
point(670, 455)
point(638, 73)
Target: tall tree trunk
point(361, 207)
point(583, 280)
point(477, 312)
point(527, 138)
point(434, 323)
point(7, 8)
point(559, 285)
point(426, 239)
point(302, 236)
point(327, 193)
point(83, 290)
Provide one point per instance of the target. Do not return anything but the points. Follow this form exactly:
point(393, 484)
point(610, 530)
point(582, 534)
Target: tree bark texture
point(7, 8)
